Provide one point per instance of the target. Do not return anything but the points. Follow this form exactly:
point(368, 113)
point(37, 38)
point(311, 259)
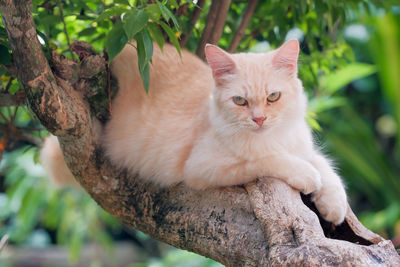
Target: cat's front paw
point(307, 179)
point(331, 202)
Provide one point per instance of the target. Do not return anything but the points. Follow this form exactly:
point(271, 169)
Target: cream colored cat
point(240, 118)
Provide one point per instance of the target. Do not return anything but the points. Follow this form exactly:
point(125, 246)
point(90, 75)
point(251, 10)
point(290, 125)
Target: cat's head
point(256, 92)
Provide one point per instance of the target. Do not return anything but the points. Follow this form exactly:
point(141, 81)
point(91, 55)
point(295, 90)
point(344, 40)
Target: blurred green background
point(350, 68)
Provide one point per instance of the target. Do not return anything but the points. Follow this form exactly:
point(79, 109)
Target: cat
point(239, 118)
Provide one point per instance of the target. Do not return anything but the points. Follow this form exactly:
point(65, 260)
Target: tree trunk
point(260, 224)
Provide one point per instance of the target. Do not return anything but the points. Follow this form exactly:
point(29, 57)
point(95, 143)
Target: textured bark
point(264, 223)
point(214, 25)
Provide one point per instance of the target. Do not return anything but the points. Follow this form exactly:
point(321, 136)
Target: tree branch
point(195, 18)
point(265, 225)
point(243, 25)
point(18, 134)
point(295, 237)
point(7, 100)
point(34, 73)
point(214, 25)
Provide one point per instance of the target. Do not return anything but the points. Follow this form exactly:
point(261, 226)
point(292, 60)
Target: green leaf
point(50, 19)
point(167, 15)
point(14, 87)
point(145, 74)
point(145, 52)
point(87, 32)
point(144, 46)
point(156, 34)
point(5, 56)
point(171, 36)
point(323, 103)
point(3, 33)
point(125, 2)
point(134, 22)
point(153, 11)
point(173, 3)
point(114, 11)
point(337, 79)
point(115, 41)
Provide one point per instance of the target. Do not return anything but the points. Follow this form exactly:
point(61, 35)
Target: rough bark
point(214, 25)
point(195, 18)
point(264, 223)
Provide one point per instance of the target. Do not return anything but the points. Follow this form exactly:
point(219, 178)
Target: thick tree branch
point(243, 25)
point(34, 73)
point(265, 225)
point(295, 237)
point(214, 25)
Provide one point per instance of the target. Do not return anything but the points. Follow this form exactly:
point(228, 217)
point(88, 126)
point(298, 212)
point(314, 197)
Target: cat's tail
point(53, 162)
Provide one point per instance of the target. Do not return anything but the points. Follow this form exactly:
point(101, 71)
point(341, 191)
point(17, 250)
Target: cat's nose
point(259, 120)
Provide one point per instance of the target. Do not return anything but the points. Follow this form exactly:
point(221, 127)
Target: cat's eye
point(240, 101)
point(274, 97)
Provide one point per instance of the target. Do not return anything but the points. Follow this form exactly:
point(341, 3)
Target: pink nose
point(259, 120)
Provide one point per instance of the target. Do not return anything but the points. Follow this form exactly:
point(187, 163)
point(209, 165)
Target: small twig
point(14, 115)
point(3, 144)
point(9, 83)
point(195, 18)
point(11, 69)
point(18, 134)
point(3, 242)
point(65, 26)
point(334, 30)
point(29, 138)
point(396, 241)
point(243, 25)
point(109, 89)
point(4, 117)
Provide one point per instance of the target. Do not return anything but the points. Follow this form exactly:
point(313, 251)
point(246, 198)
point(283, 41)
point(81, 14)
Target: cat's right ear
point(220, 62)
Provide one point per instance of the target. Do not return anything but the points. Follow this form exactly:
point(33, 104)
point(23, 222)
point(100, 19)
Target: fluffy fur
point(188, 128)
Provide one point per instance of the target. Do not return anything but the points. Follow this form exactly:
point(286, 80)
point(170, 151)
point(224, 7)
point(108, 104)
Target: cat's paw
point(331, 202)
point(307, 179)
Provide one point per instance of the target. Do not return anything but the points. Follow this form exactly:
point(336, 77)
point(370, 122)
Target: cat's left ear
point(220, 62)
point(286, 56)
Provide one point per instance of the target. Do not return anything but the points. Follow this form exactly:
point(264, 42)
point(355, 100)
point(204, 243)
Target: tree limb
point(266, 225)
point(214, 25)
point(7, 100)
point(243, 25)
point(195, 18)
point(34, 73)
point(295, 237)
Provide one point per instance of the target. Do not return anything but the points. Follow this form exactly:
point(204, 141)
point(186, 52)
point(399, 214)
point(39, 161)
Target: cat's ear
point(220, 62)
point(286, 56)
